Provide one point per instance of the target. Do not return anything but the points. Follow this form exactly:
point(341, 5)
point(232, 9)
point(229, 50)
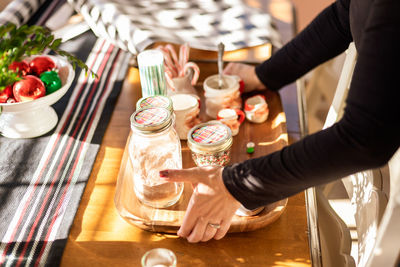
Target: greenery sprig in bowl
point(17, 43)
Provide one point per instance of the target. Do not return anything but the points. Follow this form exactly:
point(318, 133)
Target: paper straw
point(151, 70)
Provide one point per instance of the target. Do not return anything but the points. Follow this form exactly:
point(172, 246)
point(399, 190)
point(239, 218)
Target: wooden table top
point(100, 237)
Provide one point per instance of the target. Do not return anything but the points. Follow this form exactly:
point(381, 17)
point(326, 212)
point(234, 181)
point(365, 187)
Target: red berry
point(6, 94)
point(21, 67)
point(11, 100)
point(29, 88)
point(241, 86)
point(41, 64)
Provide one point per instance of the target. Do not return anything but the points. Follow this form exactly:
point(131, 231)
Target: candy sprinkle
point(250, 147)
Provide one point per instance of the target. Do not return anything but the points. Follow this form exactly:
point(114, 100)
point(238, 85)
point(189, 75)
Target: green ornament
point(51, 81)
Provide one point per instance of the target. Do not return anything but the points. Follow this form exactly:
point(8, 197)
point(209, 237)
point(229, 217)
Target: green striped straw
point(151, 71)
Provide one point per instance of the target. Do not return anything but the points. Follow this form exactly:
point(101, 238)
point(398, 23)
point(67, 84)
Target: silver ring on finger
point(214, 225)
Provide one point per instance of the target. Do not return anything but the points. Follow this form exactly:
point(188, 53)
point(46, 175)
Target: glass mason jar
point(154, 146)
point(159, 257)
point(210, 143)
point(155, 101)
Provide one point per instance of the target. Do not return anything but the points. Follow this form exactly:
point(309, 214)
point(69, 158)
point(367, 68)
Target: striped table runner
point(42, 179)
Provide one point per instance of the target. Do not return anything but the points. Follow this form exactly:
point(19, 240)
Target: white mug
point(256, 109)
point(226, 97)
point(186, 109)
point(231, 118)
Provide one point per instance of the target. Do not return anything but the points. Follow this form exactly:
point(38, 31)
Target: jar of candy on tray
point(210, 143)
point(154, 146)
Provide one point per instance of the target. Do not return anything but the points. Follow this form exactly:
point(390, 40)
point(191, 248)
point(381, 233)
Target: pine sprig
point(17, 43)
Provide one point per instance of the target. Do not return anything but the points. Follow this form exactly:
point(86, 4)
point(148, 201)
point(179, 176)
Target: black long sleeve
point(368, 133)
point(327, 36)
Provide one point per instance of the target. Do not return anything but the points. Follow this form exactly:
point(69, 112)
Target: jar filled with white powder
point(154, 146)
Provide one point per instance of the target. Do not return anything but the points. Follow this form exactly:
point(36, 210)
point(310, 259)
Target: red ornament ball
point(21, 67)
point(41, 64)
point(29, 88)
point(6, 94)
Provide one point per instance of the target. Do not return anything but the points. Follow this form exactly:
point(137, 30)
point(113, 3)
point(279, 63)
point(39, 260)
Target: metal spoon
point(221, 48)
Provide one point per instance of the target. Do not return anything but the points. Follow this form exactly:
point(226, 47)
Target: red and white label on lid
point(210, 134)
point(151, 116)
point(155, 101)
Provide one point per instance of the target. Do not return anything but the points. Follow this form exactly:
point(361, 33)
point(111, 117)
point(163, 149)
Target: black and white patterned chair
point(134, 25)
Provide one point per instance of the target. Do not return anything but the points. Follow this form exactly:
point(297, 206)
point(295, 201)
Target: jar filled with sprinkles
point(210, 144)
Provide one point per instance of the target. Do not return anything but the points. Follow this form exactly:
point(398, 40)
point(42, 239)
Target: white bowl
point(35, 118)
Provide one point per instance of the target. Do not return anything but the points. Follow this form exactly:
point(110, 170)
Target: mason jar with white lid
point(154, 146)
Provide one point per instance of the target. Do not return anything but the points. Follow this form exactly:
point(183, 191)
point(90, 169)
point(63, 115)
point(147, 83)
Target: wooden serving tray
point(268, 137)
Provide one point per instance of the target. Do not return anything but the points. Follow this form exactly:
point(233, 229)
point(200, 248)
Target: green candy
point(250, 147)
point(51, 81)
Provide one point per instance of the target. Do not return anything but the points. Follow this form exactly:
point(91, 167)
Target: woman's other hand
point(211, 206)
point(247, 73)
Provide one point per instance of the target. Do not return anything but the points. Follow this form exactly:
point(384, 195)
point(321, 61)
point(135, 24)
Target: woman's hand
point(247, 73)
point(211, 207)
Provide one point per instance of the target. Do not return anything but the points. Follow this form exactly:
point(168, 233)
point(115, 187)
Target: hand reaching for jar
point(211, 207)
point(247, 73)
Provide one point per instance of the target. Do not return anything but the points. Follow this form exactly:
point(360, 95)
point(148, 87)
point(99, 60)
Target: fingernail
point(164, 173)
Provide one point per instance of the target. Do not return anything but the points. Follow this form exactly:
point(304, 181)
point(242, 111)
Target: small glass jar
point(159, 257)
point(154, 146)
point(243, 212)
point(157, 101)
point(210, 144)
